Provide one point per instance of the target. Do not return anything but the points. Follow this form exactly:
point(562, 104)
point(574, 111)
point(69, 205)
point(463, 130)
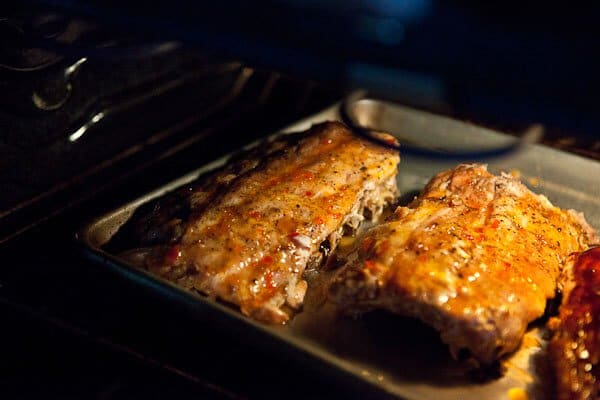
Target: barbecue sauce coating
point(249, 231)
point(575, 347)
point(476, 256)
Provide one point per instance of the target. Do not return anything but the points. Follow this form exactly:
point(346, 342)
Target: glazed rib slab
point(246, 234)
point(475, 255)
point(575, 346)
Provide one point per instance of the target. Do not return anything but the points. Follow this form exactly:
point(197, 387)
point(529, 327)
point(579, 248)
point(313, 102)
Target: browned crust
point(476, 256)
point(246, 234)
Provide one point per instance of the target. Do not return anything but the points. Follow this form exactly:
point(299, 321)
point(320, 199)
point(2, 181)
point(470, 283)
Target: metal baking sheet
point(396, 357)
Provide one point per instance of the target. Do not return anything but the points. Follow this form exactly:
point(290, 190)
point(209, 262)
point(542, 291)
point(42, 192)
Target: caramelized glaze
point(475, 255)
point(250, 230)
point(575, 347)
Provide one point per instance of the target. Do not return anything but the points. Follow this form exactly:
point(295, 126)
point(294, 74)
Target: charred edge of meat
point(160, 221)
point(155, 223)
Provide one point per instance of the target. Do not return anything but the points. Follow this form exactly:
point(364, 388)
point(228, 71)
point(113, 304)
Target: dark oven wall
point(69, 117)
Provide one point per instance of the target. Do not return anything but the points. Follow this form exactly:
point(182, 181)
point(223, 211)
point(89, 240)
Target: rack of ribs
point(246, 234)
point(575, 346)
point(476, 256)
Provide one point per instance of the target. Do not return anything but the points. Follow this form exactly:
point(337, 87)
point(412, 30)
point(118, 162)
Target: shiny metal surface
point(396, 357)
point(418, 137)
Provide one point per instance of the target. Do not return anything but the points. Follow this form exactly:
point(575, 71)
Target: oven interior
point(93, 114)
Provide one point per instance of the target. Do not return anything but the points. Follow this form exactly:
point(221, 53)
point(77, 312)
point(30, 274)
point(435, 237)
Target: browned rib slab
point(475, 255)
point(575, 347)
point(246, 234)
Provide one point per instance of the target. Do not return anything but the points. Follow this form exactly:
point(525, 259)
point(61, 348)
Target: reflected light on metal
point(83, 128)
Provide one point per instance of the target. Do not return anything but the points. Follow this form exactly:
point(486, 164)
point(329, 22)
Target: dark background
point(509, 60)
